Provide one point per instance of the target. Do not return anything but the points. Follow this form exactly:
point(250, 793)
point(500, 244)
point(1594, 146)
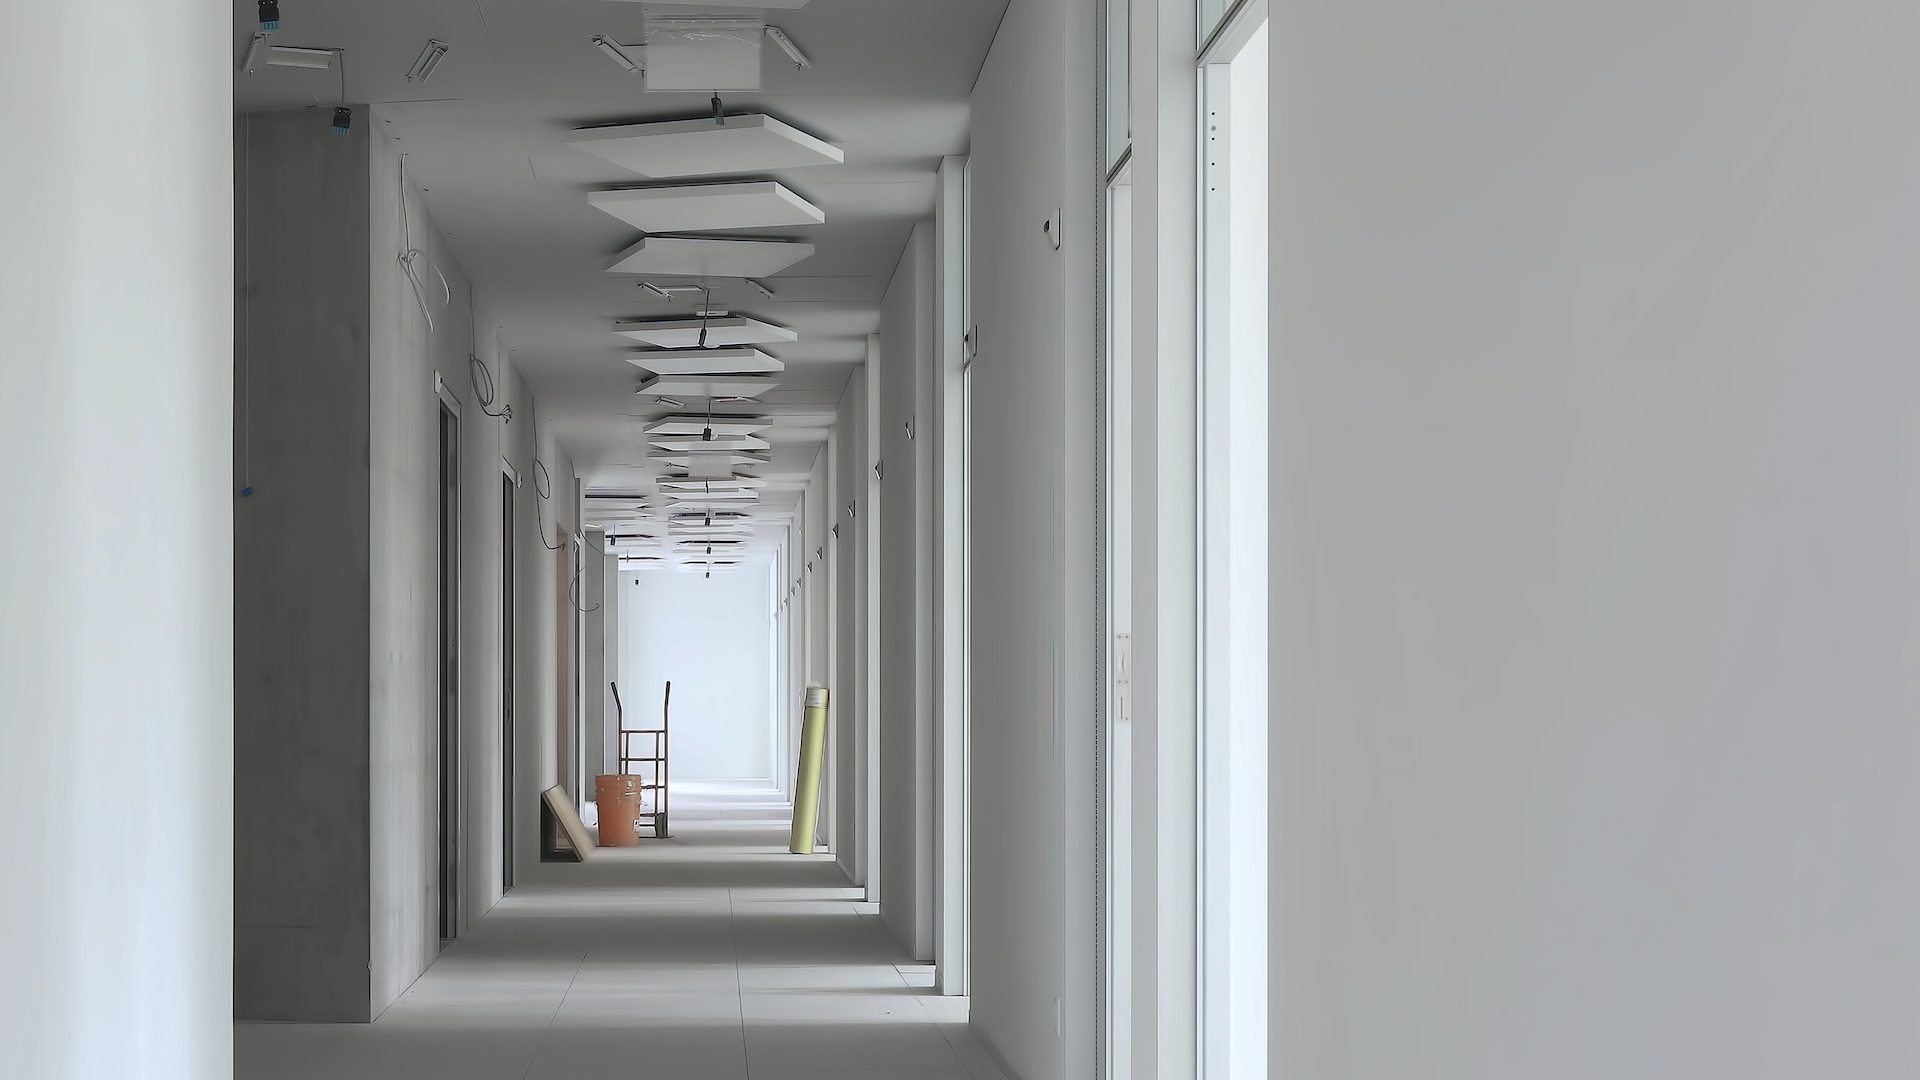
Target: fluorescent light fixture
point(290, 56)
point(671, 403)
point(427, 61)
point(617, 53)
point(787, 46)
point(761, 288)
point(252, 59)
point(667, 292)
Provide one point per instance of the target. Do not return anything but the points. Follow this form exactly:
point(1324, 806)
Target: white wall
point(906, 715)
point(710, 638)
point(1031, 544)
point(1595, 519)
point(118, 962)
point(849, 585)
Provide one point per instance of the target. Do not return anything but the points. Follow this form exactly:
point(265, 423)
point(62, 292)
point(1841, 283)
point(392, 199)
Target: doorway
point(506, 682)
point(449, 674)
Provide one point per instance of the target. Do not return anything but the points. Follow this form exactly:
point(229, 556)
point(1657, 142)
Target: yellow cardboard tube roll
point(806, 787)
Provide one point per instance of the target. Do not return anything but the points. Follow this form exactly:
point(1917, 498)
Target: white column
point(116, 555)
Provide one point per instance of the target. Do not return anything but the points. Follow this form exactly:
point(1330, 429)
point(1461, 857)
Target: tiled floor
point(711, 956)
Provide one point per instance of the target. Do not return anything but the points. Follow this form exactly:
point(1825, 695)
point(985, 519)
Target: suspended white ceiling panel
point(696, 425)
point(760, 204)
point(701, 485)
point(703, 256)
point(684, 333)
point(721, 5)
point(674, 148)
point(704, 464)
point(712, 386)
point(677, 443)
point(704, 51)
point(706, 361)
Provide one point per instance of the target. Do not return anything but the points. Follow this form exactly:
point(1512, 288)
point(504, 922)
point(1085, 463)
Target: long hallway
point(714, 955)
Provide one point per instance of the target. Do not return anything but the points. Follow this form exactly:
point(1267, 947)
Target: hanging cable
point(542, 486)
point(482, 381)
point(410, 255)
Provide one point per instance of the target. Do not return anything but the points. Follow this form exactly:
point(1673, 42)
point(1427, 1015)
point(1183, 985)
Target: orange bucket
point(618, 797)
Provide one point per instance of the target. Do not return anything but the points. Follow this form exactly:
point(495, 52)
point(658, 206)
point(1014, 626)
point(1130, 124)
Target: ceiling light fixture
point(673, 403)
point(269, 14)
point(666, 292)
point(290, 56)
point(787, 46)
point(760, 287)
point(428, 60)
point(617, 53)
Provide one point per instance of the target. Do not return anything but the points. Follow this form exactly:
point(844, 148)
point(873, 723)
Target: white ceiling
point(487, 139)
